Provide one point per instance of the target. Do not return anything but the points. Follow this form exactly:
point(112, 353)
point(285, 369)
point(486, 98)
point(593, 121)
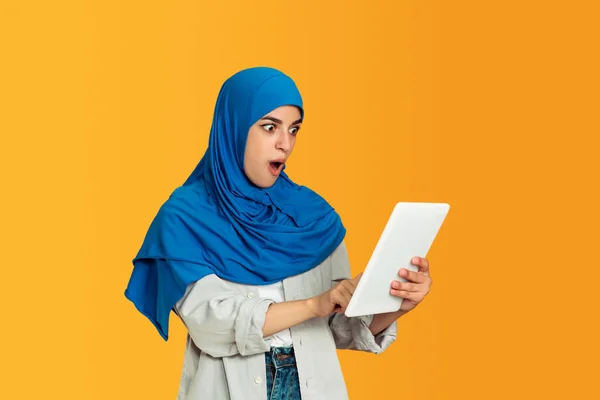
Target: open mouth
point(275, 167)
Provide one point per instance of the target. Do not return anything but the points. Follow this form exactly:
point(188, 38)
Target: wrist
point(310, 305)
point(399, 313)
point(384, 320)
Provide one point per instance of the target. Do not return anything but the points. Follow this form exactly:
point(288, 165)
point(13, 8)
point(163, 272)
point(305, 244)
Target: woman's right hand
point(335, 299)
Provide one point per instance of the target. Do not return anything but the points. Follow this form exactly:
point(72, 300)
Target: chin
point(267, 185)
point(264, 183)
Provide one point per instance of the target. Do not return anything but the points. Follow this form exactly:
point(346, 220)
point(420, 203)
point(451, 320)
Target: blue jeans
point(282, 375)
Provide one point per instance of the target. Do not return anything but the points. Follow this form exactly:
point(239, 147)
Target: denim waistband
point(281, 357)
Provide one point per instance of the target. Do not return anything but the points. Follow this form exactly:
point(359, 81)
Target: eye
point(268, 127)
point(294, 130)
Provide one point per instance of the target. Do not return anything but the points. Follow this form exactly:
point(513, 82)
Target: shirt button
point(257, 379)
point(250, 295)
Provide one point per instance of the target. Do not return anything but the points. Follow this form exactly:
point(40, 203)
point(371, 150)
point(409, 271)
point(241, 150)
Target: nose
point(284, 142)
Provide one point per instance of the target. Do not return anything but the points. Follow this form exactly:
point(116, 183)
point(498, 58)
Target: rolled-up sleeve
point(222, 321)
point(353, 333)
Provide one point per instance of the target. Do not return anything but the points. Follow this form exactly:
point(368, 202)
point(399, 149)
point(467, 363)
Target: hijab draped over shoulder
point(219, 223)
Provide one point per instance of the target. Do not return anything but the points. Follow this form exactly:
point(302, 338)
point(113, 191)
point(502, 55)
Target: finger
point(415, 297)
point(357, 278)
point(412, 276)
point(347, 290)
point(341, 301)
point(350, 285)
point(408, 286)
point(422, 263)
point(341, 295)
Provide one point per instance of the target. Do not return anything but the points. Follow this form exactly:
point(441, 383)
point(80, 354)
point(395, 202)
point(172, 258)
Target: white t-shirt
point(275, 293)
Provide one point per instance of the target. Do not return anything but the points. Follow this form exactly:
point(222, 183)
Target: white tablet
point(409, 232)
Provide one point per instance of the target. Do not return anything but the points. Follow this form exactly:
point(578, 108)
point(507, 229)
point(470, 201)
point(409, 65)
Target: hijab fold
point(219, 223)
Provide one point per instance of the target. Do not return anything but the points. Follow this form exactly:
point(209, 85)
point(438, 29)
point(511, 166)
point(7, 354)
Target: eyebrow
point(278, 121)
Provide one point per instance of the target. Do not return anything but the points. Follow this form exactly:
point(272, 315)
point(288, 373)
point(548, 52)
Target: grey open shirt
point(224, 355)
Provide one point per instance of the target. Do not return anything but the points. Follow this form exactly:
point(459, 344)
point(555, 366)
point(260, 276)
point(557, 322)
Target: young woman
point(255, 265)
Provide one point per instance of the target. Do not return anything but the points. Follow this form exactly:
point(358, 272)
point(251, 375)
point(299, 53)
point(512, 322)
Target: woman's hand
point(335, 299)
point(417, 286)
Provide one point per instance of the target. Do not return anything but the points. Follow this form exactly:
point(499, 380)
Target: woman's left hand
point(417, 286)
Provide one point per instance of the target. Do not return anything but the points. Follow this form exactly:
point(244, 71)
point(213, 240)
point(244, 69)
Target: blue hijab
point(219, 223)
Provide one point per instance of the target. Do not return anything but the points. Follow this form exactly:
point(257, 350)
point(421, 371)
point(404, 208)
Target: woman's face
point(270, 143)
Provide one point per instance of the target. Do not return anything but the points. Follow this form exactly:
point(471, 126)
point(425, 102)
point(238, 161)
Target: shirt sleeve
point(353, 333)
point(222, 321)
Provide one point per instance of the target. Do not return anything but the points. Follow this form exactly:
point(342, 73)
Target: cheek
point(253, 153)
point(249, 161)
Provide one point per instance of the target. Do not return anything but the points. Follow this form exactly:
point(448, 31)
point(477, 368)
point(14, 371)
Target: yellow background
point(489, 106)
